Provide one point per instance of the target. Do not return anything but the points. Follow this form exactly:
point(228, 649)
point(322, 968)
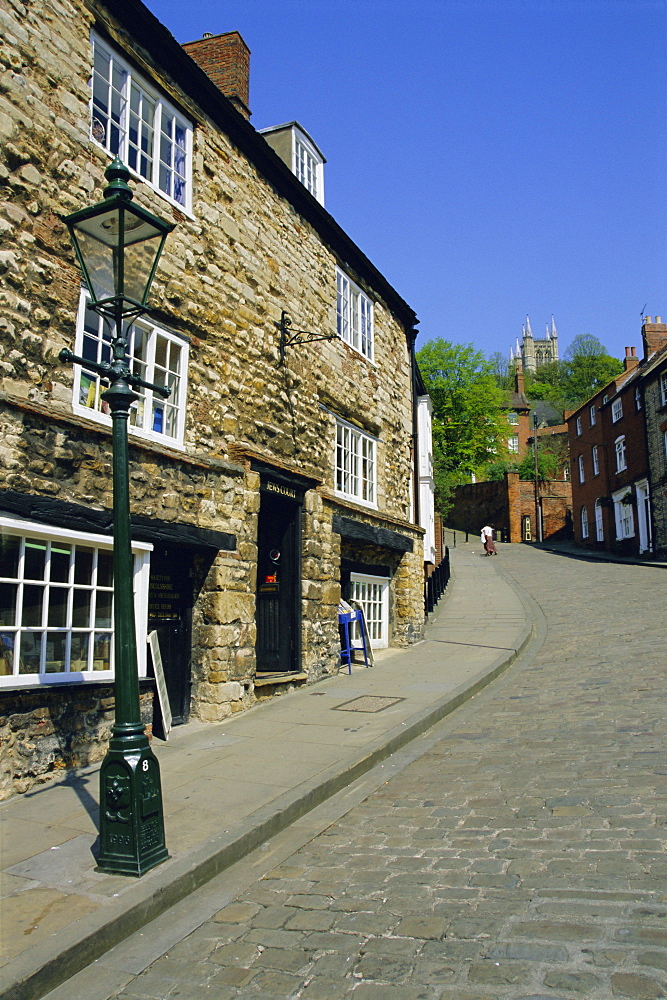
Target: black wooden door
point(278, 585)
point(170, 615)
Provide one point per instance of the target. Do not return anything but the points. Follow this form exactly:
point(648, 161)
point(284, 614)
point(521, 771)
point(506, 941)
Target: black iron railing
point(436, 583)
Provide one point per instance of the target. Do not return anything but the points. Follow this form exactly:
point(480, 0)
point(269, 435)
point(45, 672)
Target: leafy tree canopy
point(585, 345)
point(549, 465)
point(469, 423)
point(585, 368)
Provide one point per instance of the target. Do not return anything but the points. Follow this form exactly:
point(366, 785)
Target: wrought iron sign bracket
point(289, 337)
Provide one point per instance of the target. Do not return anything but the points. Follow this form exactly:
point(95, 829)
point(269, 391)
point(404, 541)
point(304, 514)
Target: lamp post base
point(132, 837)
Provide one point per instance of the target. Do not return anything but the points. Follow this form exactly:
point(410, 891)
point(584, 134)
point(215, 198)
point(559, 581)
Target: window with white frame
point(599, 522)
point(663, 389)
point(584, 523)
point(616, 410)
point(513, 443)
point(593, 415)
point(56, 604)
point(372, 593)
point(581, 469)
point(308, 166)
point(578, 424)
point(354, 315)
point(620, 453)
point(638, 398)
point(512, 418)
point(596, 460)
point(134, 121)
point(623, 514)
point(154, 354)
point(355, 464)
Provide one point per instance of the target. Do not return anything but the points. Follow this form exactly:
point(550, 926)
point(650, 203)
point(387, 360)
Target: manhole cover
point(368, 703)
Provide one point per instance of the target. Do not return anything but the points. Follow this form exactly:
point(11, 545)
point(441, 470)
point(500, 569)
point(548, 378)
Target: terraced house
point(618, 448)
point(282, 472)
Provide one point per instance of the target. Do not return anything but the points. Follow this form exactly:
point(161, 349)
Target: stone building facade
point(265, 488)
point(655, 408)
point(534, 352)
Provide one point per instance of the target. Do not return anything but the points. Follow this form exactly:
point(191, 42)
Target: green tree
point(494, 472)
point(546, 383)
point(501, 370)
point(548, 465)
point(469, 423)
point(586, 368)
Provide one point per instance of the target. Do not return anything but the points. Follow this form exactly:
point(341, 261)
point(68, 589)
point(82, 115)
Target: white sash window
point(134, 122)
point(56, 604)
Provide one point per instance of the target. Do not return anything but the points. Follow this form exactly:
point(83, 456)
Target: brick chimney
point(630, 360)
point(226, 60)
point(654, 335)
point(518, 378)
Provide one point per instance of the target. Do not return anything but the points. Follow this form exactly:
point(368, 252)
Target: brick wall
point(225, 59)
point(505, 504)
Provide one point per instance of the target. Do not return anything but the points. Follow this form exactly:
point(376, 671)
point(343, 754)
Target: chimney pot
point(207, 34)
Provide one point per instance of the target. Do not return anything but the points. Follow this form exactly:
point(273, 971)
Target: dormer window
point(293, 145)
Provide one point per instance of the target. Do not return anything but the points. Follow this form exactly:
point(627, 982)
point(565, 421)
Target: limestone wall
point(228, 271)
point(656, 428)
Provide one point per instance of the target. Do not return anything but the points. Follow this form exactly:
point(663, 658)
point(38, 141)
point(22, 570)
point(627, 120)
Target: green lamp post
point(118, 246)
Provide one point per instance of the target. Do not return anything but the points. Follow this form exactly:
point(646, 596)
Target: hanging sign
point(160, 683)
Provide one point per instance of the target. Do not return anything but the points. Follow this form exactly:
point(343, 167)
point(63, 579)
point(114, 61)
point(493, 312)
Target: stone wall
point(656, 427)
point(43, 732)
point(245, 254)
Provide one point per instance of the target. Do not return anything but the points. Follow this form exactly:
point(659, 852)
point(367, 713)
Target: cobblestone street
point(521, 855)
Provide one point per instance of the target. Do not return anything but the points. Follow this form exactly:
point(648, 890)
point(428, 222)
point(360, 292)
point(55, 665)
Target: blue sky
point(493, 158)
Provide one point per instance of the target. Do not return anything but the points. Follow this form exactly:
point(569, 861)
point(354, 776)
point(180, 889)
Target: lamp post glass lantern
point(118, 245)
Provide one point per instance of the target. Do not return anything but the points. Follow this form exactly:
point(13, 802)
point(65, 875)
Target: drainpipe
point(412, 336)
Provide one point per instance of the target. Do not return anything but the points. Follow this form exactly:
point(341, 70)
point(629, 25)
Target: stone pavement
point(516, 850)
point(228, 787)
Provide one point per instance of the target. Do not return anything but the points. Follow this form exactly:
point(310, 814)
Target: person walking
point(487, 540)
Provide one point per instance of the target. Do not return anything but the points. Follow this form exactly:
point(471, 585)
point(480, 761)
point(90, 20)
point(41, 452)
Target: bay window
point(623, 514)
point(56, 604)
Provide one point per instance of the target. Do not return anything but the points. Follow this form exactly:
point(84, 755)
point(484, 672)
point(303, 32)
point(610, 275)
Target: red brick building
point(518, 417)
point(609, 458)
point(510, 506)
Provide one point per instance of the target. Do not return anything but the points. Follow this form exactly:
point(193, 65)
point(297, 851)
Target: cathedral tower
point(536, 352)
